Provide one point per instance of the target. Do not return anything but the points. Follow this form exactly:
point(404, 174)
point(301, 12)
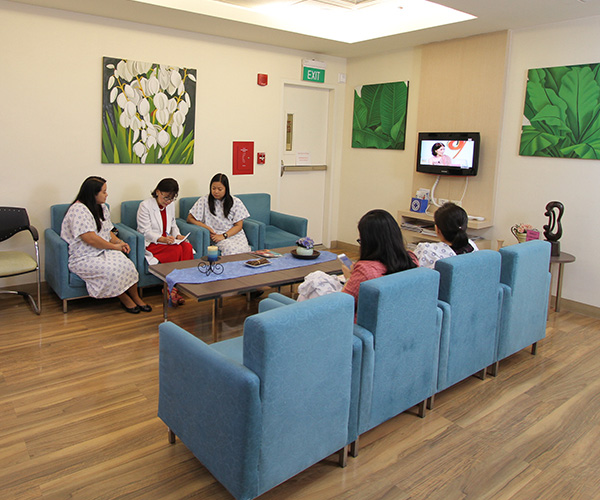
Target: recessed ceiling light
point(347, 21)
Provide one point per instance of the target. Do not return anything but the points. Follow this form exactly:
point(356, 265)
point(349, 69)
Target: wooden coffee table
point(216, 289)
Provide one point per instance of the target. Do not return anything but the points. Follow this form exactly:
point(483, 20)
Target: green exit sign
point(313, 74)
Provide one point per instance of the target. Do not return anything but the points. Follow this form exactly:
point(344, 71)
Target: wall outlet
point(441, 201)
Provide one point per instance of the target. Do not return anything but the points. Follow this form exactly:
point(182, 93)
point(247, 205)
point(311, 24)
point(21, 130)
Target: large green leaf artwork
point(148, 112)
point(380, 116)
point(561, 118)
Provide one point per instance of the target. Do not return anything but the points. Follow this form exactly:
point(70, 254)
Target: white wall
point(377, 178)
point(51, 88)
point(526, 184)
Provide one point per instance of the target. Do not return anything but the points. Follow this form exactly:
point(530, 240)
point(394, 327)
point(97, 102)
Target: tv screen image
point(448, 153)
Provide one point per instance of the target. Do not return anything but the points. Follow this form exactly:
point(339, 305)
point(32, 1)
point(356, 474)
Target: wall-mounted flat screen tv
point(448, 153)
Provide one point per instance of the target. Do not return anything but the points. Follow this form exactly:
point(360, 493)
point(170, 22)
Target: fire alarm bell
point(262, 79)
point(260, 158)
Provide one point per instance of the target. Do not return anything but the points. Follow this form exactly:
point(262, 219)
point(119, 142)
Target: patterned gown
point(107, 273)
point(238, 243)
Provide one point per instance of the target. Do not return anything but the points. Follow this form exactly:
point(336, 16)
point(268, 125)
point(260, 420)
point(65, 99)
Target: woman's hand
point(347, 271)
point(216, 237)
point(122, 246)
point(169, 240)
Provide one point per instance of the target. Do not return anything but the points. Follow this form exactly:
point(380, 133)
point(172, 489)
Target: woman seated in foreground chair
point(382, 251)
point(223, 215)
point(451, 227)
point(156, 221)
point(96, 254)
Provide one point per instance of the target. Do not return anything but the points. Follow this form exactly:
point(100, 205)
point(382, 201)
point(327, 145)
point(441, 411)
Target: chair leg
point(430, 401)
point(481, 373)
point(493, 369)
point(172, 437)
point(64, 306)
point(421, 411)
point(343, 457)
point(354, 448)
point(534, 348)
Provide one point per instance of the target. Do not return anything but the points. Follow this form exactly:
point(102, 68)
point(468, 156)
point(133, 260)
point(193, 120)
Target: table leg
point(214, 319)
point(165, 301)
point(558, 287)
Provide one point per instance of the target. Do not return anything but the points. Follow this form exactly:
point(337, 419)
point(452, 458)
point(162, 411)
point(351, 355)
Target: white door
point(304, 148)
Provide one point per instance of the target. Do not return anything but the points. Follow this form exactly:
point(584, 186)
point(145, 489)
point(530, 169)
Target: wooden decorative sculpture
point(553, 230)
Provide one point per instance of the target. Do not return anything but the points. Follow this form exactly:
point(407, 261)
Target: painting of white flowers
point(148, 112)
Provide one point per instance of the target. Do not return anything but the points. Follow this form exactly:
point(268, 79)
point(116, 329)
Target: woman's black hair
point(381, 240)
point(452, 222)
point(435, 147)
point(227, 199)
point(168, 186)
point(87, 195)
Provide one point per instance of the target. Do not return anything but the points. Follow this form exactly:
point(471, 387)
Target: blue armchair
point(68, 285)
point(525, 277)
point(259, 409)
point(129, 220)
point(276, 229)
point(398, 322)
point(470, 299)
point(251, 228)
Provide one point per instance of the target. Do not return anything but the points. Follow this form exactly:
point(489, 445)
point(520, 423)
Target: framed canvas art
point(380, 115)
point(561, 118)
point(148, 112)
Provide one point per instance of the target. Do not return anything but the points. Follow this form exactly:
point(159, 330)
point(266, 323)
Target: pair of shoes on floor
point(136, 309)
point(176, 299)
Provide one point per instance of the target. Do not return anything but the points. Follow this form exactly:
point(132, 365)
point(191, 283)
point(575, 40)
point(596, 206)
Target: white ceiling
point(492, 15)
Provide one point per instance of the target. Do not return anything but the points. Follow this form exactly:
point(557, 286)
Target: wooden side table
point(561, 259)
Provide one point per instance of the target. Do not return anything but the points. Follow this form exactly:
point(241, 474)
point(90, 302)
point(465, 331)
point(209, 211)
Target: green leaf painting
point(380, 116)
point(148, 112)
point(561, 118)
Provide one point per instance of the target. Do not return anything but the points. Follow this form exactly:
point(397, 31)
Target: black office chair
point(12, 221)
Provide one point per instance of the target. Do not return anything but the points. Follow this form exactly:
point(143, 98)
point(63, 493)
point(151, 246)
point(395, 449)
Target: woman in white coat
point(156, 221)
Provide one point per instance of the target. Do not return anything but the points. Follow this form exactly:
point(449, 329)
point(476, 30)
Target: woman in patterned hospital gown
point(96, 254)
point(223, 215)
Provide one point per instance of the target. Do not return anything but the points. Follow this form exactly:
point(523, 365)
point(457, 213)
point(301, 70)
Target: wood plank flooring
point(78, 402)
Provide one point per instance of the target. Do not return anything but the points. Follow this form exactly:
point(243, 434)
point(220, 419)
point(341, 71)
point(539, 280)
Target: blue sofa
point(258, 409)
point(276, 229)
point(470, 299)
point(525, 282)
point(129, 220)
point(68, 285)
point(396, 362)
point(251, 227)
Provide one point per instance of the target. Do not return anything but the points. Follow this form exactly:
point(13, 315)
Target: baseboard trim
point(340, 245)
point(577, 307)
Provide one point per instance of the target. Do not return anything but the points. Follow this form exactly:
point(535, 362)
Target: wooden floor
point(78, 402)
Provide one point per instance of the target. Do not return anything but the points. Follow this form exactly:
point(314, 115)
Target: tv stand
point(475, 229)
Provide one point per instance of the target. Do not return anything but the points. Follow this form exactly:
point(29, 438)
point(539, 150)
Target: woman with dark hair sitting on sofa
point(382, 251)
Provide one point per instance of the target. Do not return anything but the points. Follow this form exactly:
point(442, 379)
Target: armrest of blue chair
point(363, 369)
point(135, 241)
point(273, 301)
point(444, 341)
point(212, 403)
point(199, 237)
point(255, 232)
point(290, 223)
point(56, 268)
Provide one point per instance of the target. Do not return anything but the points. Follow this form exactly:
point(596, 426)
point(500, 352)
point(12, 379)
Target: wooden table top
point(214, 289)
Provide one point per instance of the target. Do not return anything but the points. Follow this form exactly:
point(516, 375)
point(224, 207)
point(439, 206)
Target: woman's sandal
point(176, 299)
point(131, 310)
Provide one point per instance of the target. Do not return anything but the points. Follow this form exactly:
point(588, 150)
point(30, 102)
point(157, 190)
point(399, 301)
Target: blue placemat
point(238, 269)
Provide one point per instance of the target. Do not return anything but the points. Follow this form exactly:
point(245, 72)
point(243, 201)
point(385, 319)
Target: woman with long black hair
point(96, 254)
point(382, 251)
point(223, 215)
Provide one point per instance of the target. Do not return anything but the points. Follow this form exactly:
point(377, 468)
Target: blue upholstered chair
point(129, 220)
point(470, 299)
point(525, 277)
point(259, 409)
point(68, 285)
point(276, 229)
point(398, 322)
point(251, 227)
